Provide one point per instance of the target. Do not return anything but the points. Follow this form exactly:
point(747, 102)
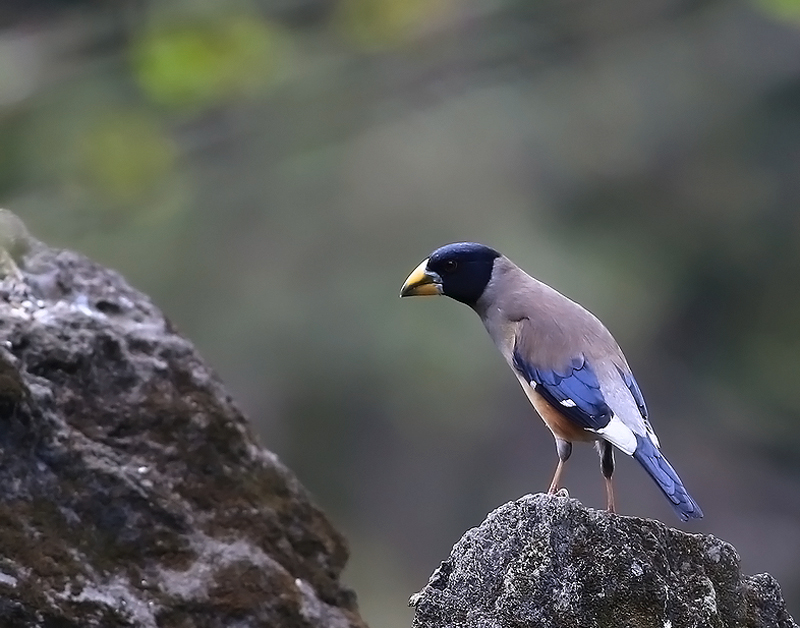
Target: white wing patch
point(619, 434)
point(568, 403)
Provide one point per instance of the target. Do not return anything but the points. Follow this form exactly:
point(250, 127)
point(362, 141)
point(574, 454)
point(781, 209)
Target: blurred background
point(269, 171)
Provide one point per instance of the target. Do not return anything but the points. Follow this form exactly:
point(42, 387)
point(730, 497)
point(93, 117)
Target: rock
point(132, 491)
point(543, 561)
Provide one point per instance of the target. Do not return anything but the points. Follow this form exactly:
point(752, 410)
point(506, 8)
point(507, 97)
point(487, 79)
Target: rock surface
point(542, 562)
point(132, 492)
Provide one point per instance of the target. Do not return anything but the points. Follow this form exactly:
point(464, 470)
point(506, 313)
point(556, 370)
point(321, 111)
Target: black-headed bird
point(568, 364)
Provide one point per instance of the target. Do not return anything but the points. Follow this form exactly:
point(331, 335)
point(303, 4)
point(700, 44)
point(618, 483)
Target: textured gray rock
point(542, 562)
point(132, 492)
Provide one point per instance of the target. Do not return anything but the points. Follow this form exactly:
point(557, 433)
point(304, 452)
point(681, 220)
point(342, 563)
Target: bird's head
point(460, 271)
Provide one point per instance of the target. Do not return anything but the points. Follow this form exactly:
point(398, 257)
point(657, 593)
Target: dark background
point(270, 171)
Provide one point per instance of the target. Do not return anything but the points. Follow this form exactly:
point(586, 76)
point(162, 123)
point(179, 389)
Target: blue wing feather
point(630, 382)
point(576, 383)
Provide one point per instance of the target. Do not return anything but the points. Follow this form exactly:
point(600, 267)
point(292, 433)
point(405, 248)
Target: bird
point(569, 365)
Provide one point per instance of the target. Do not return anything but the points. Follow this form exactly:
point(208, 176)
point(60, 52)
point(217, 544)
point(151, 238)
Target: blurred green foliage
point(782, 9)
point(124, 155)
point(375, 25)
point(205, 63)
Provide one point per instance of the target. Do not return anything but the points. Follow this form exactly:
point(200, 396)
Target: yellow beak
point(422, 282)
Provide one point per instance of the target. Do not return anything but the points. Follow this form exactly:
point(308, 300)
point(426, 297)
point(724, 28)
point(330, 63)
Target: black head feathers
point(465, 269)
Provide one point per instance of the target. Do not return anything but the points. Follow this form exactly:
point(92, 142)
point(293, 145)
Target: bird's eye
point(450, 265)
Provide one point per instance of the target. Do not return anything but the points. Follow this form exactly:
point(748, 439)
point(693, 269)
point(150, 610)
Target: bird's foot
point(562, 492)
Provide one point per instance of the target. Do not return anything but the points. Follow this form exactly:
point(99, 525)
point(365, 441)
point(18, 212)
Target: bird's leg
point(606, 451)
point(610, 496)
point(556, 477)
point(564, 449)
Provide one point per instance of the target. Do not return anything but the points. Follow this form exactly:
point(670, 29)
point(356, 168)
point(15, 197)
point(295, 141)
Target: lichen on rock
point(547, 562)
point(132, 491)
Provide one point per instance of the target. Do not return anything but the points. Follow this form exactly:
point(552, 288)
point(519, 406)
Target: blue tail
point(668, 481)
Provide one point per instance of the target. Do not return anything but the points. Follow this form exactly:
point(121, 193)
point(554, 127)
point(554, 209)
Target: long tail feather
point(668, 481)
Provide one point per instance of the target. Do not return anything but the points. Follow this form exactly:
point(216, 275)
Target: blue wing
point(574, 390)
